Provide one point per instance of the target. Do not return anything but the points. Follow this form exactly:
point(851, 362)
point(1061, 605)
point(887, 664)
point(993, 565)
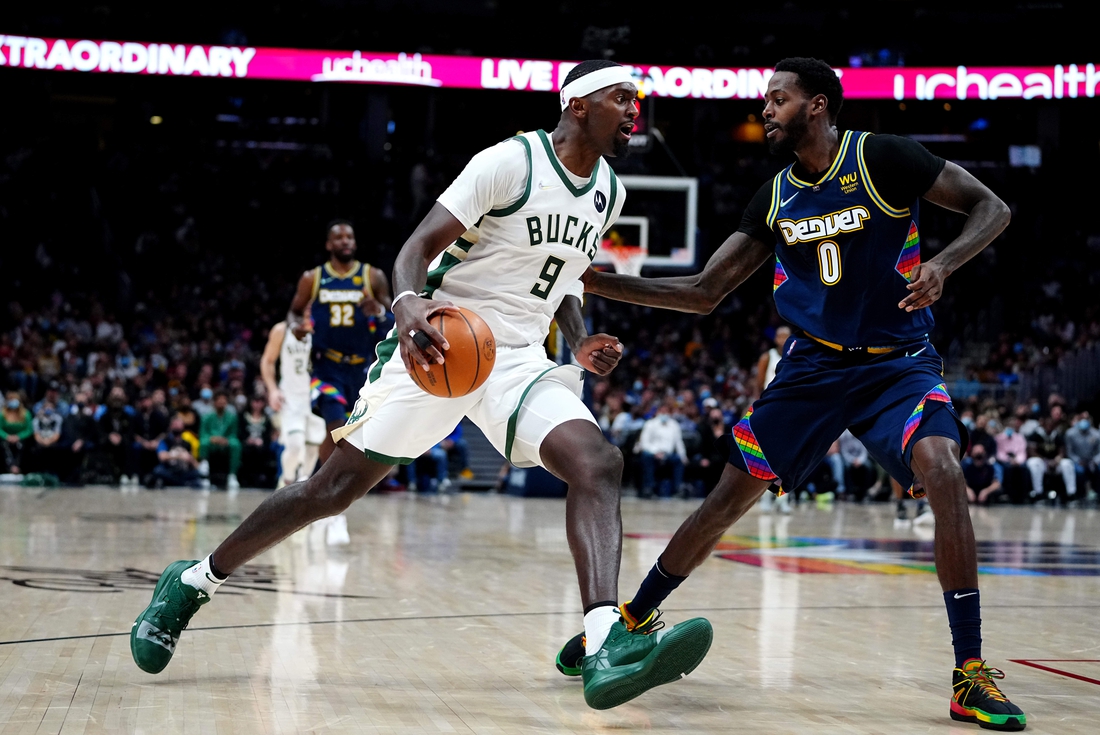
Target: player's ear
point(578, 107)
point(819, 104)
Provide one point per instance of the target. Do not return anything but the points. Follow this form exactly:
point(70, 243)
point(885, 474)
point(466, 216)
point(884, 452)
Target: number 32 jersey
point(533, 230)
point(339, 324)
point(843, 255)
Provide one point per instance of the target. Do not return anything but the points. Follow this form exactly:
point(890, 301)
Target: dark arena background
point(167, 175)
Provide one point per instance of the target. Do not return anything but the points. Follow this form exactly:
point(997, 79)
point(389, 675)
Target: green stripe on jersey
point(515, 207)
point(561, 174)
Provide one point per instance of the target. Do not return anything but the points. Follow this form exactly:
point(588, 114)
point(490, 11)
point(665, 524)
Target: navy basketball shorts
point(890, 401)
point(334, 387)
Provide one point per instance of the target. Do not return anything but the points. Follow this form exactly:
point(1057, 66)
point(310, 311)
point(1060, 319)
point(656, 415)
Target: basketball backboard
point(660, 216)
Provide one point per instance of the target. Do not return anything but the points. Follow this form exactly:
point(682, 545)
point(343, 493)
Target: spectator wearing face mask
point(16, 429)
point(1083, 448)
point(177, 464)
point(1050, 457)
point(219, 438)
point(47, 435)
point(983, 478)
point(116, 436)
point(79, 435)
point(1011, 445)
point(1011, 458)
point(661, 445)
point(713, 451)
point(982, 431)
point(205, 403)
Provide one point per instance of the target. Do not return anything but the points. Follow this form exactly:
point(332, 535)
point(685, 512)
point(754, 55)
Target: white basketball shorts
point(525, 397)
point(292, 416)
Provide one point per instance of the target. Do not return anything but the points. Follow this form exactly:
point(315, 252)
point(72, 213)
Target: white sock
point(200, 577)
point(597, 624)
point(306, 470)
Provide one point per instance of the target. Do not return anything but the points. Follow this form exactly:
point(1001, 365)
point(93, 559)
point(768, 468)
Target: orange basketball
point(467, 364)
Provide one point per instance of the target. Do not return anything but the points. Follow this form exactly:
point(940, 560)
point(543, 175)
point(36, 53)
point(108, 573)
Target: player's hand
point(303, 328)
point(412, 316)
point(599, 353)
point(371, 306)
point(276, 400)
point(926, 287)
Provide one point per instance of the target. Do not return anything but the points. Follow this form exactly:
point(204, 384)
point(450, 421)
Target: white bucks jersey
point(294, 365)
point(516, 264)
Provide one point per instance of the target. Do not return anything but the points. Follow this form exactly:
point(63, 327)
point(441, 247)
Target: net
point(627, 259)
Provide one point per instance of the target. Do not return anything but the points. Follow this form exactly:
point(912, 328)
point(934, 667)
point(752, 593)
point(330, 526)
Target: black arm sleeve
point(754, 223)
point(901, 169)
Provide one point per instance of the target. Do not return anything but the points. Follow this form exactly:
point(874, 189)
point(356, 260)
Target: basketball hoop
point(627, 259)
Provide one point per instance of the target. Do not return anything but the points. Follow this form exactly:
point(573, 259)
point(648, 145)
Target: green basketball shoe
point(571, 654)
point(631, 662)
point(157, 630)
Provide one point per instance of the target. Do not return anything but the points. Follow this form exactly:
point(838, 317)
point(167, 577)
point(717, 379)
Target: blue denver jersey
point(340, 329)
point(844, 256)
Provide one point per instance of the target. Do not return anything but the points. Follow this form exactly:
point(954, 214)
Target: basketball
point(467, 364)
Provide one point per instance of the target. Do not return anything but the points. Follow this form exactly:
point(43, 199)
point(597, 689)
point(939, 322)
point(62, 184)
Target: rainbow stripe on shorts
point(751, 452)
point(318, 389)
point(939, 393)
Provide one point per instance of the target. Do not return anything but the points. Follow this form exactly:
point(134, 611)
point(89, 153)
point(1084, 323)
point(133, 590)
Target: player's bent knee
point(606, 466)
point(332, 493)
point(941, 474)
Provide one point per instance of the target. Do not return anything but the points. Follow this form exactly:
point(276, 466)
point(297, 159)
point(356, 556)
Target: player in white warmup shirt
point(300, 430)
point(509, 239)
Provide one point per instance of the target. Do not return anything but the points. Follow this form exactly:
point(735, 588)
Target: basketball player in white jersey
point(765, 373)
point(300, 431)
point(509, 239)
point(765, 366)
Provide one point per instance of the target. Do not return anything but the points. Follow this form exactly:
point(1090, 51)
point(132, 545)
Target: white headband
point(594, 81)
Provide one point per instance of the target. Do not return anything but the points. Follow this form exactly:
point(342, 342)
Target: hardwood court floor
point(445, 614)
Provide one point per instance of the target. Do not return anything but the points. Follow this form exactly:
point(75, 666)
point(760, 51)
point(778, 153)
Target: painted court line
point(1034, 663)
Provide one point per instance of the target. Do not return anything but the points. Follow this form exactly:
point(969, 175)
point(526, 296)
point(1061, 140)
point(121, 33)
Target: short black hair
point(816, 77)
point(336, 223)
point(587, 67)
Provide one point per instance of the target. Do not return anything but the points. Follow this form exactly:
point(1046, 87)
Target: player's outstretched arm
point(267, 365)
point(438, 230)
point(987, 217)
point(597, 353)
point(738, 257)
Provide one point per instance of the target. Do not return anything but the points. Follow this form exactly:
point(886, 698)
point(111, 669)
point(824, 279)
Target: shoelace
point(983, 678)
point(173, 610)
point(650, 625)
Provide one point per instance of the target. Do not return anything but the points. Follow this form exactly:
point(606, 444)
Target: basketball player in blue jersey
point(841, 228)
point(510, 239)
point(348, 303)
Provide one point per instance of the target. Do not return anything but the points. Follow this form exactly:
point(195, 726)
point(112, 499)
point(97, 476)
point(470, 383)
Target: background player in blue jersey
point(841, 227)
point(348, 304)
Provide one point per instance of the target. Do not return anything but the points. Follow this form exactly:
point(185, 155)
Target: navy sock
point(657, 585)
point(964, 612)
